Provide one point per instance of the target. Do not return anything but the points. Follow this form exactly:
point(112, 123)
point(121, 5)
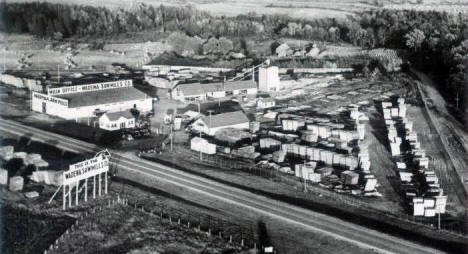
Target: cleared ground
point(33, 54)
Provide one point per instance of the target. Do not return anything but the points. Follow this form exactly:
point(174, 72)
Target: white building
point(81, 101)
point(211, 124)
point(268, 79)
point(263, 103)
point(117, 120)
point(200, 92)
point(283, 50)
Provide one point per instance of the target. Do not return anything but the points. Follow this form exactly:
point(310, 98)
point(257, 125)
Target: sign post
point(64, 204)
point(76, 190)
point(86, 190)
point(94, 187)
point(105, 184)
point(99, 190)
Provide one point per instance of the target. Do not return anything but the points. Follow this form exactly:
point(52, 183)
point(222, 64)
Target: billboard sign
point(90, 87)
point(85, 169)
point(44, 97)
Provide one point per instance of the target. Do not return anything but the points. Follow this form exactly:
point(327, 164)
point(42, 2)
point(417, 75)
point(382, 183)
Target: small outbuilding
point(263, 103)
point(117, 120)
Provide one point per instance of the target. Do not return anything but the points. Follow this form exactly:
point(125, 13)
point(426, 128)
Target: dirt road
point(453, 135)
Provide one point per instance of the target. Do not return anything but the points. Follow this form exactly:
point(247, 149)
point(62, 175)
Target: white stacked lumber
point(16, 183)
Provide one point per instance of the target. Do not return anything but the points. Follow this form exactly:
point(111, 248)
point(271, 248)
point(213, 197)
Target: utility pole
point(201, 154)
point(172, 136)
point(305, 180)
point(58, 73)
point(438, 219)
point(4, 64)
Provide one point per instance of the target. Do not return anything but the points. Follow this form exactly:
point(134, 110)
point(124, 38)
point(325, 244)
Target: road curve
point(321, 223)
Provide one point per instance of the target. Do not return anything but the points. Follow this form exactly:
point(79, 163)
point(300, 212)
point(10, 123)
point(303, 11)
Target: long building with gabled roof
point(211, 124)
point(81, 101)
point(201, 92)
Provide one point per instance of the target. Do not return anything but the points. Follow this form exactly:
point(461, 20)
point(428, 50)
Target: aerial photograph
point(233, 126)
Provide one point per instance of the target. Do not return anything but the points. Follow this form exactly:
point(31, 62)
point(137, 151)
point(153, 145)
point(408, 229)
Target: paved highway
point(317, 222)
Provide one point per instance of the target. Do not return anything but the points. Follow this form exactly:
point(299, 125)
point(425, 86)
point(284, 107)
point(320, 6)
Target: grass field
point(296, 8)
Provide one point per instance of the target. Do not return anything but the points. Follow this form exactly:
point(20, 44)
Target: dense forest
point(436, 42)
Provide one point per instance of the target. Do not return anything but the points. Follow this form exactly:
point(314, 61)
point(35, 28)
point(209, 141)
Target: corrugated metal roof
point(102, 97)
point(226, 119)
point(198, 88)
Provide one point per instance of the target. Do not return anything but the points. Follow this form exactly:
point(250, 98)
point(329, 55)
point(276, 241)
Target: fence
point(226, 230)
point(235, 234)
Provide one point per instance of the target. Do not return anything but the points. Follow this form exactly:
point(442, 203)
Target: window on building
point(122, 125)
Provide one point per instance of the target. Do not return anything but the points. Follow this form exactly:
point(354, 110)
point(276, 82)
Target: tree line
point(46, 19)
point(435, 41)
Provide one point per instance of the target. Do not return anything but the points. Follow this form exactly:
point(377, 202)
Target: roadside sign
point(85, 169)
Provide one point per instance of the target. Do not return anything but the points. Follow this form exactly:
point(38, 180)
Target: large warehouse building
point(81, 101)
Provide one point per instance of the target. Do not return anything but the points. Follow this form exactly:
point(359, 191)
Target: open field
point(302, 9)
point(124, 229)
point(28, 52)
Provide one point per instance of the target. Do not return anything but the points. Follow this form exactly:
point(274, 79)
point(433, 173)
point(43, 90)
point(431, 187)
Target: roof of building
point(199, 88)
point(226, 119)
point(266, 99)
point(114, 116)
point(102, 97)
